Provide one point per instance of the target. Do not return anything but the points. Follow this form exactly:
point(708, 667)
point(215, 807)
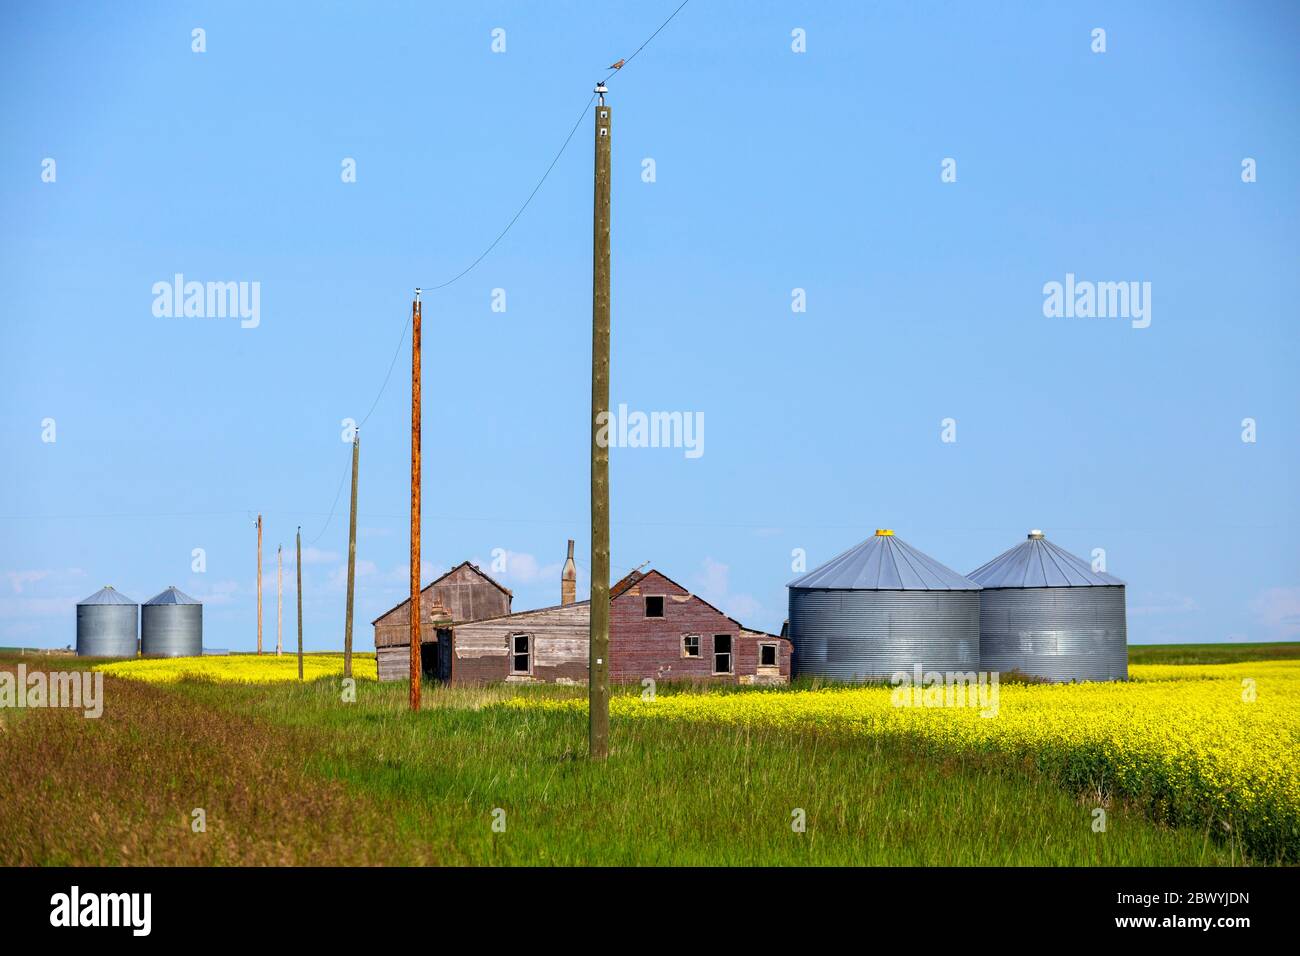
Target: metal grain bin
point(1046, 613)
point(108, 625)
point(171, 625)
point(880, 608)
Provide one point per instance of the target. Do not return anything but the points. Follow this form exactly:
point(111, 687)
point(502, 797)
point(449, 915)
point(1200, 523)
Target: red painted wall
point(643, 646)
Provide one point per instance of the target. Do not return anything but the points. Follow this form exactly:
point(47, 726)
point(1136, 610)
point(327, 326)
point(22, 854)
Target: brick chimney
point(569, 579)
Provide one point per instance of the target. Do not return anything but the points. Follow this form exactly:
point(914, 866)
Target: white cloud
point(713, 584)
point(314, 556)
point(20, 579)
point(1164, 603)
point(1278, 610)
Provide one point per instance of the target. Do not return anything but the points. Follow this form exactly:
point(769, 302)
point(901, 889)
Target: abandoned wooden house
point(463, 594)
point(658, 629)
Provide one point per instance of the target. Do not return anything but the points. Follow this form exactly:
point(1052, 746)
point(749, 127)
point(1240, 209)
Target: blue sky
point(775, 170)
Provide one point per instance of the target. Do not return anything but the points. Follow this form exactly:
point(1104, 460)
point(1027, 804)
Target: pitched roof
point(473, 567)
point(642, 576)
point(627, 581)
point(172, 596)
point(107, 595)
point(884, 562)
point(1037, 563)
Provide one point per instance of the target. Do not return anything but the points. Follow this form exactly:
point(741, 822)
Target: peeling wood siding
point(466, 594)
point(639, 646)
point(559, 646)
point(643, 646)
point(393, 663)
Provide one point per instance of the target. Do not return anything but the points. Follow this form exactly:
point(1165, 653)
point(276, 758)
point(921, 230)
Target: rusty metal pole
point(352, 559)
point(598, 661)
point(415, 502)
point(259, 584)
point(298, 566)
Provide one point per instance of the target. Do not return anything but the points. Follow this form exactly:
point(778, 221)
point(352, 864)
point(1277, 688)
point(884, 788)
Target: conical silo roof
point(1037, 563)
point(106, 595)
point(172, 596)
point(884, 562)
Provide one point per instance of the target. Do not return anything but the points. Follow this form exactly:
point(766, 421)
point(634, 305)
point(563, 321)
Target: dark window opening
point(691, 645)
point(654, 607)
point(767, 655)
point(722, 653)
point(520, 654)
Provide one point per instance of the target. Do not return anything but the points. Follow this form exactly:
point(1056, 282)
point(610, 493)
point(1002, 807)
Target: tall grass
point(682, 793)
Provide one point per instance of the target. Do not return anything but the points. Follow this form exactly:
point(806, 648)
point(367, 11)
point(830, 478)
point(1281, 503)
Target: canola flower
point(240, 668)
point(1212, 746)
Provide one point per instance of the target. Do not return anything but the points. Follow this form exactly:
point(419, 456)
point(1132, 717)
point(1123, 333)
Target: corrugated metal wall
point(107, 630)
point(871, 635)
point(171, 630)
point(1060, 634)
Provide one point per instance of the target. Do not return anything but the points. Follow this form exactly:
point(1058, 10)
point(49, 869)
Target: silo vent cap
point(1035, 533)
point(884, 533)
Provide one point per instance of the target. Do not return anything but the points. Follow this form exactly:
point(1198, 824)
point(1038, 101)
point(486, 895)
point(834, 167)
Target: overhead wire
point(495, 242)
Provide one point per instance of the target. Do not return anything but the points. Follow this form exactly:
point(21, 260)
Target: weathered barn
point(657, 629)
point(461, 595)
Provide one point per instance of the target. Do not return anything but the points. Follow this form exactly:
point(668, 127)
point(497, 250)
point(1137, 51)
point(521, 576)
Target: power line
point(495, 242)
point(629, 59)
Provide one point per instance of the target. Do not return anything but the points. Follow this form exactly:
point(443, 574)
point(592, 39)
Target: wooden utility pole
point(279, 600)
point(298, 564)
point(415, 502)
point(352, 559)
point(598, 662)
point(259, 584)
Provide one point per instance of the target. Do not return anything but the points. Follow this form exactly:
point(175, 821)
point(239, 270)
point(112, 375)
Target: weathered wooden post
point(415, 502)
point(298, 565)
point(352, 559)
point(259, 584)
point(598, 662)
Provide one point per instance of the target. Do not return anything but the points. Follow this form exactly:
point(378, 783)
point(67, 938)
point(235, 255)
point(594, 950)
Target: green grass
point(683, 795)
point(1211, 653)
point(379, 785)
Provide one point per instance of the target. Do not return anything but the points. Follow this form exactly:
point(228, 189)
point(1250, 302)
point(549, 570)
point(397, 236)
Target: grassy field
point(287, 773)
point(1212, 653)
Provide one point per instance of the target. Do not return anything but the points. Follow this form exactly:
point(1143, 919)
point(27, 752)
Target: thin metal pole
point(415, 502)
point(598, 663)
point(352, 560)
point(279, 601)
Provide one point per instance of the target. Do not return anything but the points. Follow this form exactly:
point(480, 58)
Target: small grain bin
point(1048, 614)
point(880, 608)
point(108, 624)
point(171, 625)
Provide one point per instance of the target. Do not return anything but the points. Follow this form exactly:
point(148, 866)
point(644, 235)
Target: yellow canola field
point(1204, 745)
point(240, 668)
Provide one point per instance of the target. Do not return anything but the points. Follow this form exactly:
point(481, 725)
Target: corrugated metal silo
point(107, 624)
point(1046, 613)
point(880, 608)
point(171, 625)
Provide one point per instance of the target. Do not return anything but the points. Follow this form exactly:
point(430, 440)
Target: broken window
point(654, 606)
point(767, 655)
point(691, 645)
point(722, 653)
point(520, 654)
